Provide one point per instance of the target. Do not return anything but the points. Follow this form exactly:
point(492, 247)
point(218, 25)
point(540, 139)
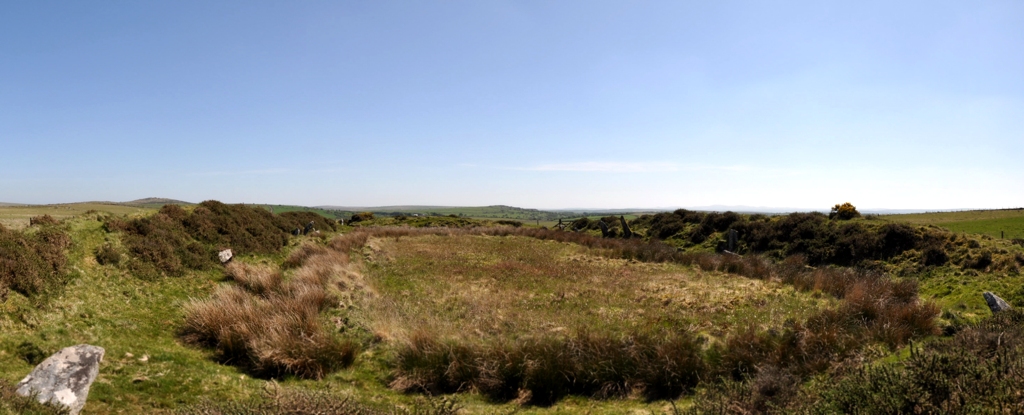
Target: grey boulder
point(64, 378)
point(995, 303)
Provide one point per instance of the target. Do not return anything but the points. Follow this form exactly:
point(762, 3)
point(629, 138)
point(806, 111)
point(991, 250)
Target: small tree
point(845, 211)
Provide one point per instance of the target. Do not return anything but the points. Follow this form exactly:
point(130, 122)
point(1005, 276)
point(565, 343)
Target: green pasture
point(1007, 223)
point(17, 217)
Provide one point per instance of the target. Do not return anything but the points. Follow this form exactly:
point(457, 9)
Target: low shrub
point(979, 370)
point(42, 220)
point(299, 220)
point(31, 262)
point(512, 223)
point(107, 254)
point(174, 240)
point(361, 217)
point(542, 370)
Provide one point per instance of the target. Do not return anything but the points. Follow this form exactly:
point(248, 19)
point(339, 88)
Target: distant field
point(986, 222)
point(17, 217)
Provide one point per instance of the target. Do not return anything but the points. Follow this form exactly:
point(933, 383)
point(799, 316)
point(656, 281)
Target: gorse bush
point(32, 261)
point(845, 211)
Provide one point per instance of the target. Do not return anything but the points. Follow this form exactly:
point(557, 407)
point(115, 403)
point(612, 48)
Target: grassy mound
point(175, 240)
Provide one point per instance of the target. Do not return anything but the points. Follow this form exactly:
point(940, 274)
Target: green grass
point(17, 217)
point(475, 288)
point(1008, 222)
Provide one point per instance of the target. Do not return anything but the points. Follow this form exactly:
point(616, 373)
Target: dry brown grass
point(480, 288)
point(273, 326)
point(256, 278)
point(514, 318)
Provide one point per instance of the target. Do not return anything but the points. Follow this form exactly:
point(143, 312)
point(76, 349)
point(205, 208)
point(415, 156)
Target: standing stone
point(604, 228)
point(225, 256)
point(65, 377)
point(626, 232)
point(309, 228)
point(995, 303)
point(732, 240)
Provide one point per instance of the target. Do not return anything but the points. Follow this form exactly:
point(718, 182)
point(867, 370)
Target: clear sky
point(542, 104)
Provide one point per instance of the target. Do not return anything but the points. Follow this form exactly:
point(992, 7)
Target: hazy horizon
point(801, 105)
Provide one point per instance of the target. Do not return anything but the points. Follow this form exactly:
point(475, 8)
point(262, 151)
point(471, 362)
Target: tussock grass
point(277, 400)
point(271, 326)
point(259, 279)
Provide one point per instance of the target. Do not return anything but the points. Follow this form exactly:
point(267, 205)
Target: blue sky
point(535, 104)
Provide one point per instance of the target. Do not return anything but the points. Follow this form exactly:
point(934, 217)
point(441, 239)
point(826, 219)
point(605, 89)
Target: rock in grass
point(64, 378)
point(224, 256)
point(995, 303)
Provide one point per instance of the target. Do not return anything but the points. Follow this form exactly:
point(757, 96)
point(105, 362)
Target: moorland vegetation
point(518, 315)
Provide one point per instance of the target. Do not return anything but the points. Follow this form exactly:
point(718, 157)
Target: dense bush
point(845, 211)
point(980, 370)
point(32, 261)
point(299, 220)
point(361, 217)
point(174, 240)
point(542, 370)
point(42, 220)
point(820, 240)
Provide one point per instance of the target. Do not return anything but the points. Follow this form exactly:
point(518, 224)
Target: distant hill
point(483, 212)
point(155, 202)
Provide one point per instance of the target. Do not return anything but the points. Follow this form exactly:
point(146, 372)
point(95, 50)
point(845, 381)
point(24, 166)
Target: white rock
point(225, 256)
point(64, 378)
